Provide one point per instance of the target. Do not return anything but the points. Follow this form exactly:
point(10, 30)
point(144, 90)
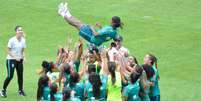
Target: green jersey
point(73, 99)
point(67, 77)
point(114, 90)
point(57, 96)
point(103, 90)
point(79, 91)
point(154, 90)
point(131, 92)
point(46, 92)
point(76, 65)
point(105, 34)
point(147, 90)
point(98, 67)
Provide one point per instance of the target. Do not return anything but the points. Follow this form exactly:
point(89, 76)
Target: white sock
point(68, 14)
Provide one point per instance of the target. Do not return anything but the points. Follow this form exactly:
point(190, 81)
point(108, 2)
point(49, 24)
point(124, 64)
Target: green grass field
point(170, 29)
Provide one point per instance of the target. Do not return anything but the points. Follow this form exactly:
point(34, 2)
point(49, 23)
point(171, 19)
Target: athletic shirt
point(112, 53)
point(143, 82)
point(114, 90)
point(98, 68)
point(123, 50)
point(103, 90)
point(53, 76)
point(79, 91)
point(46, 92)
point(118, 80)
point(73, 99)
point(154, 90)
point(16, 47)
point(105, 34)
point(132, 92)
point(67, 76)
point(147, 90)
point(85, 78)
point(76, 65)
point(57, 96)
point(127, 78)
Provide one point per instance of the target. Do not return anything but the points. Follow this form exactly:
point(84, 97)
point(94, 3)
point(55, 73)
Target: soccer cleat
point(65, 5)
point(60, 9)
point(3, 93)
point(21, 93)
point(63, 10)
point(68, 14)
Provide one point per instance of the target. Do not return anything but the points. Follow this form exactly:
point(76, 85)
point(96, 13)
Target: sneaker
point(21, 93)
point(3, 93)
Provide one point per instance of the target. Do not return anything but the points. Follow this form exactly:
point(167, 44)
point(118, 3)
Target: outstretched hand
point(80, 44)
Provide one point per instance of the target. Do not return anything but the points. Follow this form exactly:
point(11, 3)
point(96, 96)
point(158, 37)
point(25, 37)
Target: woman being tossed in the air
point(88, 32)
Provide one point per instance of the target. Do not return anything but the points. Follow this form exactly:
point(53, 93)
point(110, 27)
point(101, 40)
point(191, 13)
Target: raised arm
point(129, 68)
point(104, 62)
point(84, 68)
point(79, 50)
point(97, 56)
point(58, 58)
point(123, 65)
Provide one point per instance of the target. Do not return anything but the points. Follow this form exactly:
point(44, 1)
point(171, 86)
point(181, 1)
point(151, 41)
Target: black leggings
point(11, 65)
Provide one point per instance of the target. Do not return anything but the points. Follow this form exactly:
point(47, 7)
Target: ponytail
point(95, 80)
point(42, 83)
point(52, 96)
point(156, 64)
point(136, 74)
point(53, 91)
point(153, 60)
point(66, 93)
point(40, 92)
point(112, 68)
point(74, 78)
